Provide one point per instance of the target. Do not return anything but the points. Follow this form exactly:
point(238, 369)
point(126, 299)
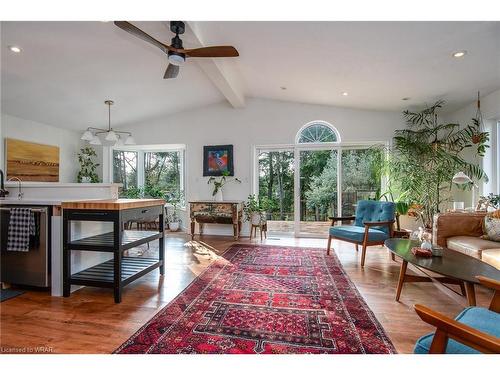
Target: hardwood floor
point(90, 322)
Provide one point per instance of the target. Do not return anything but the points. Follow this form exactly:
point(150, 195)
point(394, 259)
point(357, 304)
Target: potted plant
point(255, 210)
point(219, 183)
point(492, 200)
point(174, 220)
point(425, 156)
point(88, 167)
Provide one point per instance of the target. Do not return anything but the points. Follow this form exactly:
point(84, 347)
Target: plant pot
point(218, 197)
point(174, 226)
point(256, 218)
point(86, 180)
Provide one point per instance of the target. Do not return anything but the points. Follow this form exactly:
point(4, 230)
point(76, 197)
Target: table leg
point(402, 273)
point(235, 231)
point(192, 228)
point(471, 294)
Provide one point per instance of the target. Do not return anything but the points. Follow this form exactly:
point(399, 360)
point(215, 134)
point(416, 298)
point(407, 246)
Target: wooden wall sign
point(31, 161)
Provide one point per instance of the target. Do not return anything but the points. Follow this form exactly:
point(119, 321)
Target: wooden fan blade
point(216, 51)
point(171, 72)
point(128, 27)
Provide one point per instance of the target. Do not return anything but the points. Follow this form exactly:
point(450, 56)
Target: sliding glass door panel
point(276, 187)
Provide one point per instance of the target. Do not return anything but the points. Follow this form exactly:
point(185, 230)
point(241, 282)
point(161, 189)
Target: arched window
point(317, 132)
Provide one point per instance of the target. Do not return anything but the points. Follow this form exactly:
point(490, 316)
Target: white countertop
point(34, 202)
point(30, 184)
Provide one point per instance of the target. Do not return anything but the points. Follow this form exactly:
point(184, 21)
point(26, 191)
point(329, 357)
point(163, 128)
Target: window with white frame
point(149, 172)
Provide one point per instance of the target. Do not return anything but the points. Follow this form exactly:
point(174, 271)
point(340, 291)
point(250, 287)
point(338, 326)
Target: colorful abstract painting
point(218, 160)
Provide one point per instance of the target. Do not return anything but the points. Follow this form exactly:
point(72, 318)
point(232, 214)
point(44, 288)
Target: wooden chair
point(474, 330)
point(373, 224)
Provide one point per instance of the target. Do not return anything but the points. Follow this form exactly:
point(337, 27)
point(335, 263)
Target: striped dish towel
point(21, 227)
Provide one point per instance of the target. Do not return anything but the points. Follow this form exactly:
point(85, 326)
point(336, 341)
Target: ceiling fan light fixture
point(87, 136)
point(176, 58)
point(119, 142)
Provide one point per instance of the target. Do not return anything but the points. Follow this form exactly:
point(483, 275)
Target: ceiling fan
point(176, 53)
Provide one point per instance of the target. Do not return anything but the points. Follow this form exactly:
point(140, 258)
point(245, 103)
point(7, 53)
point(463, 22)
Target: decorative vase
point(218, 196)
point(174, 226)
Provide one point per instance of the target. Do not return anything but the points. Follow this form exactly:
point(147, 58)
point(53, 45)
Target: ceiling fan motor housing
point(177, 27)
point(176, 58)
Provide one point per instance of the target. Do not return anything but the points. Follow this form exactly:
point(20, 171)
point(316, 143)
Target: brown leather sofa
point(461, 231)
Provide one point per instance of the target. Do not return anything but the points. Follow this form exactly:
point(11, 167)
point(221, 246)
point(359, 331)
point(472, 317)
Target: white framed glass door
point(317, 190)
point(306, 184)
point(275, 171)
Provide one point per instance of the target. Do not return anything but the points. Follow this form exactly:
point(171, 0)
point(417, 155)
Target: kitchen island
point(112, 238)
point(49, 196)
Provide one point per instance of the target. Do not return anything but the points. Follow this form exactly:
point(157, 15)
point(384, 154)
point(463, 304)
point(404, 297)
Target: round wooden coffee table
point(455, 268)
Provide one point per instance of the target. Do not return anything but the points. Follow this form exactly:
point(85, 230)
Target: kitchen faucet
point(20, 193)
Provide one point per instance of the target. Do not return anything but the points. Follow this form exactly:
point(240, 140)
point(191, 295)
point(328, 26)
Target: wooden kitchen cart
point(115, 239)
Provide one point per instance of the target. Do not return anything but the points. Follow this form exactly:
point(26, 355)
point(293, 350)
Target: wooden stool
point(263, 229)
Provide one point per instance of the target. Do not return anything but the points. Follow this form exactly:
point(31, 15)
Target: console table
point(224, 212)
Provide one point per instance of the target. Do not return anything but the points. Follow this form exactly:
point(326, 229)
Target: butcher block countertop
point(112, 204)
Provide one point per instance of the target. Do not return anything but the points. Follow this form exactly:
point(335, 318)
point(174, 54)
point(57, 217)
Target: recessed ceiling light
point(459, 53)
point(406, 98)
point(345, 93)
point(15, 49)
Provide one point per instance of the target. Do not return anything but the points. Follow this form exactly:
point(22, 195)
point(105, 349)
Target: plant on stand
point(175, 199)
point(255, 210)
point(88, 167)
point(219, 183)
point(425, 156)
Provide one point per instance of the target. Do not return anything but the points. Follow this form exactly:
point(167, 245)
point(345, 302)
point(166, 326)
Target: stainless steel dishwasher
point(31, 268)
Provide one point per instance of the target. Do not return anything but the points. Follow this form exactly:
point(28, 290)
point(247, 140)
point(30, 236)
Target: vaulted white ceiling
point(67, 69)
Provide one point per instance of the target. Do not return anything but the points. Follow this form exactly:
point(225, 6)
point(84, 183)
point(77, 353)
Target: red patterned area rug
point(265, 299)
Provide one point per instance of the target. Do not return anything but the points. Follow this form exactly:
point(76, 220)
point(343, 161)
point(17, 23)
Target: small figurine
point(426, 241)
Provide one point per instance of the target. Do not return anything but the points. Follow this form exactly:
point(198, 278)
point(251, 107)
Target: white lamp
point(87, 136)
point(130, 140)
point(119, 142)
point(461, 178)
point(111, 136)
point(95, 141)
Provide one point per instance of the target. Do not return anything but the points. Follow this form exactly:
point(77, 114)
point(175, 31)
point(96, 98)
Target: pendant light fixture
point(110, 135)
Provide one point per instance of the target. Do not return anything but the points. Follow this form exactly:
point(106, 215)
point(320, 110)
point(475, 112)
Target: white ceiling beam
point(219, 72)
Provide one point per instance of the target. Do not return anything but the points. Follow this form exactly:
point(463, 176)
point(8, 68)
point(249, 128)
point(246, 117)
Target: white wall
point(490, 109)
point(261, 122)
point(68, 142)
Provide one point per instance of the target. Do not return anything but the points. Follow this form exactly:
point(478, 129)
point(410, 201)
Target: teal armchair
point(373, 224)
point(475, 330)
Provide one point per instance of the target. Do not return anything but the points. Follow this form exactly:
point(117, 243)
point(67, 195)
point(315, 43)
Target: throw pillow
point(491, 227)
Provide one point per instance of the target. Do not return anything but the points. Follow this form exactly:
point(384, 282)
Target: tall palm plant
point(425, 156)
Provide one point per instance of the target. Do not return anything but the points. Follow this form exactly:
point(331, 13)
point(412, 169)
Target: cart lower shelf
point(105, 241)
point(102, 275)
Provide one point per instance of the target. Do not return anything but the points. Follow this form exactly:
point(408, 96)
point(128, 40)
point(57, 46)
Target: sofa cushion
point(491, 228)
point(356, 234)
point(472, 246)
point(492, 257)
point(482, 319)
